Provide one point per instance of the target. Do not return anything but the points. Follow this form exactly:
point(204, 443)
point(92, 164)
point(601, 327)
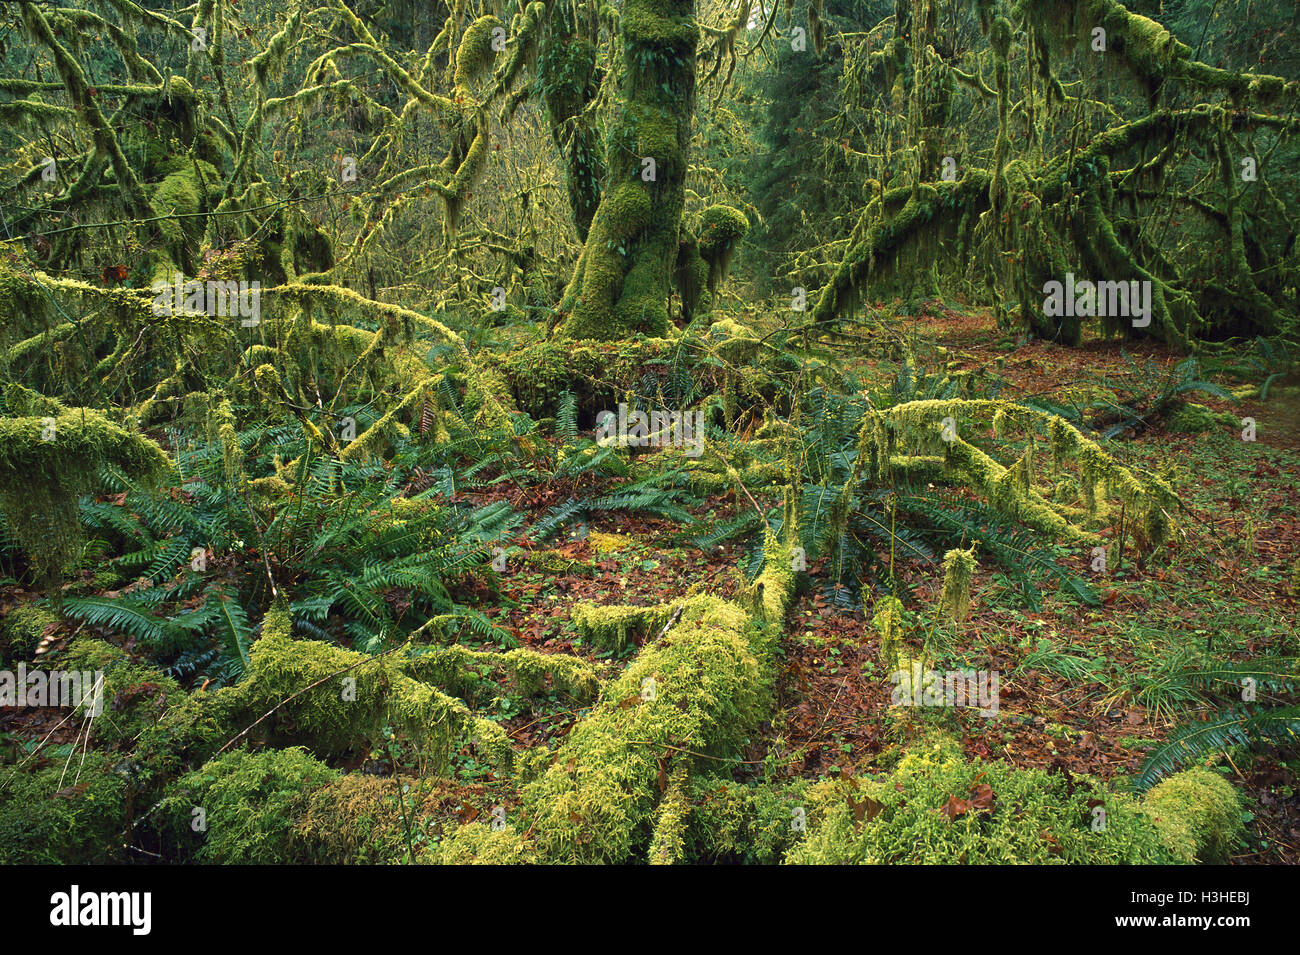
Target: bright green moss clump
point(247, 802)
point(477, 844)
point(937, 808)
point(610, 628)
point(750, 825)
point(1198, 814)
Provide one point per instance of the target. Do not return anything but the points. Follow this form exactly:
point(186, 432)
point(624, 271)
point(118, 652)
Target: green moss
point(474, 55)
point(751, 824)
point(1032, 817)
point(477, 844)
point(668, 843)
point(135, 696)
point(340, 715)
point(70, 812)
point(698, 690)
point(1191, 418)
point(249, 803)
point(49, 455)
point(621, 284)
point(887, 618)
point(958, 566)
point(360, 819)
point(720, 232)
point(466, 673)
point(1197, 813)
point(21, 632)
point(612, 627)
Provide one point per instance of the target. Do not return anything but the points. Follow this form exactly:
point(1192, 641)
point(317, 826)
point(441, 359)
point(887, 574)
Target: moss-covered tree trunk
point(621, 283)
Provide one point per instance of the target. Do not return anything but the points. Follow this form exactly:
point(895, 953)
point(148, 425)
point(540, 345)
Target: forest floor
point(1084, 690)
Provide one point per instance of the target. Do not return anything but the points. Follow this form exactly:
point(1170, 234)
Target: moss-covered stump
point(938, 808)
point(598, 374)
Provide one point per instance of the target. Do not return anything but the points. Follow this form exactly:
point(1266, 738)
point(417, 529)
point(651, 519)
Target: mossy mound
point(1198, 814)
point(940, 809)
point(21, 632)
point(240, 808)
point(71, 812)
point(477, 844)
point(361, 819)
point(1191, 418)
point(135, 696)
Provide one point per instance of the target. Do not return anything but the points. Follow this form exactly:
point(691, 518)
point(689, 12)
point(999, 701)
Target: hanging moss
point(566, 69)
point(49, 455)
point(958, 566)
point(720, 232)
point(475, 53)
point(887, 618)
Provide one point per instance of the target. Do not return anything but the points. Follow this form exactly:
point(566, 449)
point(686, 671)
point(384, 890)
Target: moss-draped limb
point(78, 89)
point(567, 68)
point(885, 237)
point(49, 455)
point(918, 424)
